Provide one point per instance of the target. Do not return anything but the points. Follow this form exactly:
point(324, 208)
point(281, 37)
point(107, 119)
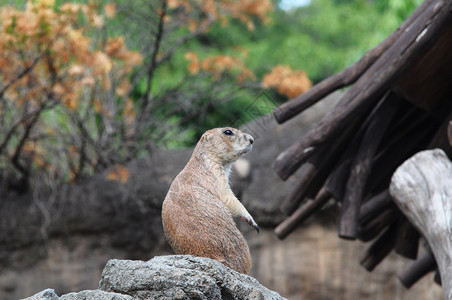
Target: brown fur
point(197, 211)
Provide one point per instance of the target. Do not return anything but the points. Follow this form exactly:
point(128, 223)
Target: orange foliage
point(119, 173)
point(214, 10)
point(48, 60)
point(110, 11)
point(287, 82)
point(194, 66)
point(64, 55)
point(218, 65)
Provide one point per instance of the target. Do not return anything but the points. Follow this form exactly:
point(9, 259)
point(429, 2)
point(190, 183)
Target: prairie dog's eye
point(228, 132)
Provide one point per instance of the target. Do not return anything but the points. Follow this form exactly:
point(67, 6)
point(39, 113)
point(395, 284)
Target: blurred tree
point(186, 82)
point(64, 105)
point(71, 102)
point(74, 100)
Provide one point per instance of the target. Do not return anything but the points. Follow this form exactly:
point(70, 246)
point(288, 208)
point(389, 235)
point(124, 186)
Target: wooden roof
point(399, 102)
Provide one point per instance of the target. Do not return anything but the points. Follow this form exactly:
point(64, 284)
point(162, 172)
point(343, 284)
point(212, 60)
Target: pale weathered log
point(422, 188)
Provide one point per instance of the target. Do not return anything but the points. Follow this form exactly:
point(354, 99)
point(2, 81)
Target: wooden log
point(405, 51)
point(301, 214)
point(449, 132)
point(291, 159)
point(414, 139)
point(335, 183)
point(422, 188)
point(407, 116)
point(427, 83)
point(441, 137)
point(379, 249)
point(362, 166)
point(344, 78)
point(407, 242)
point(437, 277)
point(374, 206)
point(304, 186)
point(333, 188)
point(315, 172)
point(370, 230)
point(417, 269)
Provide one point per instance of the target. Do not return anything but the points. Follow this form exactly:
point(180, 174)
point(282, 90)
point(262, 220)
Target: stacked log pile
point(399, 102)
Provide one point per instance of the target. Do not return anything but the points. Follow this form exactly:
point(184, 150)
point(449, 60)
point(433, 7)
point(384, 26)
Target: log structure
point(422, 188)
point(398, 102)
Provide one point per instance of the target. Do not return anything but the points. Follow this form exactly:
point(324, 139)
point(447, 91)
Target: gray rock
point(47, 294)
point(95, 294)
point(180, 277)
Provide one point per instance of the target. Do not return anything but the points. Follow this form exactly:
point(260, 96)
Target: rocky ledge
point(168, 277)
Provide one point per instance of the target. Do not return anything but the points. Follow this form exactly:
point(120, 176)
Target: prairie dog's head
point(225, 144)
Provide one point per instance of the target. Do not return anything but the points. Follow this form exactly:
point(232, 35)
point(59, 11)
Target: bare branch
point(21, 121)
point(84, 134)
point(185, 39)
point(20, 75)
point(153, 65)
point(15, 159)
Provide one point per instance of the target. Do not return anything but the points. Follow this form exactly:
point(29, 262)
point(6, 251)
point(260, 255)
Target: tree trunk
point(422, 188)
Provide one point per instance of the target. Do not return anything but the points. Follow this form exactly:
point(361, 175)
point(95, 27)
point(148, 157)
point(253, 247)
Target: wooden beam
point(417, 269)
point(449, 132)
point(362, 166)
point(301, 214)
point(379, 249)
point(315, 172)
point(410, 140)
point(441, 137)
point(373, 228)
point(335, 183)
point(374, 206)
point(407, 242)
point(427, 83)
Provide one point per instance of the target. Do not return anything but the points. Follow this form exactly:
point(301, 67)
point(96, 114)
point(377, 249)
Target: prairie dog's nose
point(249, 138)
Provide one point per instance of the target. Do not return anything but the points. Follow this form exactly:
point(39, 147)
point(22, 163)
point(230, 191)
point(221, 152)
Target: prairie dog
point(198, 210)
